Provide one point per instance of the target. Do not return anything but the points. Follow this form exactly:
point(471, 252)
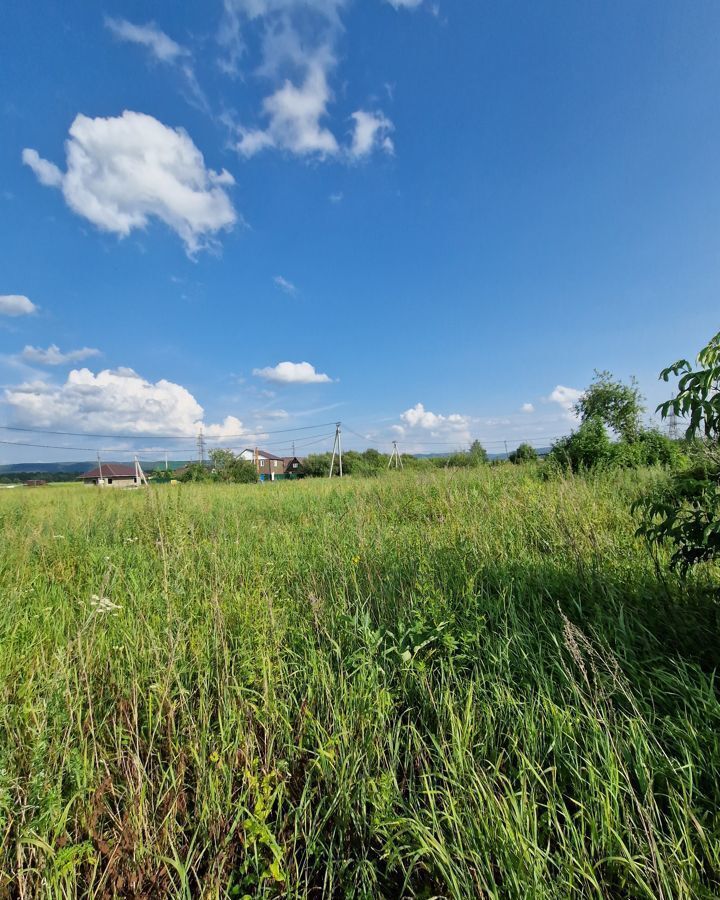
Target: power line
point(164, 437)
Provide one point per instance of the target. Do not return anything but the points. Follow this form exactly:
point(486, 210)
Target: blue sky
point(451, 212)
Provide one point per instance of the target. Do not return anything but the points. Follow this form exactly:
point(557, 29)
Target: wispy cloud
point(163, 49)
point(53, 356)
point(287, 286)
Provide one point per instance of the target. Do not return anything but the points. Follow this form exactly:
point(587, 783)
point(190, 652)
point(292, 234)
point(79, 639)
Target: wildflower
point(215, 757)
point(103, 604)
point(356, 560)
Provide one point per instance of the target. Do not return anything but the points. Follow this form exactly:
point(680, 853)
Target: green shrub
point(684, 511)
point(584, 449)
point(524, 453)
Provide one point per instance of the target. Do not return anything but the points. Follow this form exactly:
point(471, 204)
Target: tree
point(617, 405)
point(583, 449)
point(684, 510)
point(196, 472)
point(232, 469)
point(524, 453)
point(478, 453)
point(317, 465)
point(698, 394)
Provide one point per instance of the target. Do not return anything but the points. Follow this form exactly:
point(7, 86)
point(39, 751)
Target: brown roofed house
point(270, 467)
point(111, 475)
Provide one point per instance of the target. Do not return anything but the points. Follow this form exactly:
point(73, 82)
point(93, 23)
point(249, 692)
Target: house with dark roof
point(115, 475)
point(293, 466)
point(270, 467)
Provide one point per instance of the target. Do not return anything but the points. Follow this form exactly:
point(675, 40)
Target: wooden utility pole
point(395, 456)
point(139, 474)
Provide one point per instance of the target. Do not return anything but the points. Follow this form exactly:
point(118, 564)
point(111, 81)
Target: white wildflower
point(103, 604)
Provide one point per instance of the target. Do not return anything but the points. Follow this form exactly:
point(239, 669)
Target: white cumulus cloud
point(16, 305)
point(292, 373)
point(371, 130)
point(53, 356)
point(113, 401)
point(124, 171)
point(418, 422)
point(405, 4)
point(294, 113)
point(298, 40)
point(565, 397)
point(527, 408)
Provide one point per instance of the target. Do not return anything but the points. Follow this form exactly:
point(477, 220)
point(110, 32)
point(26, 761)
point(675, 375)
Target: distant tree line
point(371, 462)
point(22, 477)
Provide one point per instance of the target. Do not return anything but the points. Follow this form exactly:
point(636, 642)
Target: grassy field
point(441, 685)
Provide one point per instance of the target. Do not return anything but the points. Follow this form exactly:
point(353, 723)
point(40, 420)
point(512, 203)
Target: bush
point(685, 510)
point(241, 471)
point(650, 448)
point(524, 453)
point(586, 448)
point(196, 472)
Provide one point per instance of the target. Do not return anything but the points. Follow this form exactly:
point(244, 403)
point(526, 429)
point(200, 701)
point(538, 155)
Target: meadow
point(439, 684)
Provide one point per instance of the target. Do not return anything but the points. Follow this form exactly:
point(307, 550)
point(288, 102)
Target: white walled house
point(115, 475)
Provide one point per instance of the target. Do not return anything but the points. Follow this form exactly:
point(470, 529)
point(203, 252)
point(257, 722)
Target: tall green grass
point(444, 685)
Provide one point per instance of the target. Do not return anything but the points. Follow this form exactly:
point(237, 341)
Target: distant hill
point(76, 468)
point(541, 451)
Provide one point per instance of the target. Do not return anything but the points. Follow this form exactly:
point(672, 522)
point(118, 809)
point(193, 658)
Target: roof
point(263, 453)
point(110, 470)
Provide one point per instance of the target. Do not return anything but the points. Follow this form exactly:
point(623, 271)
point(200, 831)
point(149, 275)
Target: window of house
point(294, 465)
point(109, 480)
point(262, 462)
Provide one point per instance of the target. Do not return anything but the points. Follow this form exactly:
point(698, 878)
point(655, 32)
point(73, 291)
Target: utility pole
point(337, 448)
point(395, 455)
point(100, 478)
point(672, 424)
point(139, 474)
point(201, 445)
point(293, 448)
point(506, 450)
point(166, 461)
